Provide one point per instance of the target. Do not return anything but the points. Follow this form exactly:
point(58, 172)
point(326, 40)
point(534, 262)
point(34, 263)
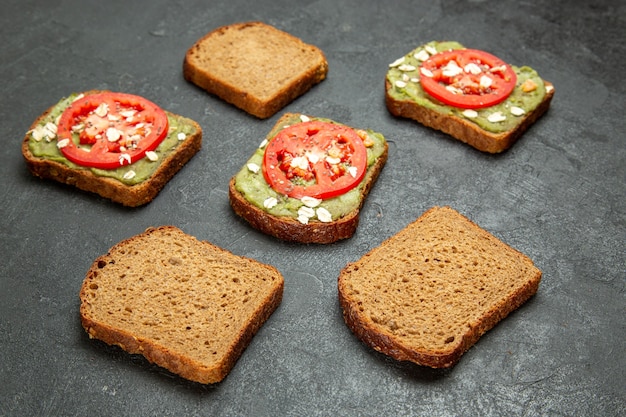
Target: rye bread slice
point(184, 304)
point(428, 293)
point(131, 195)
point(290, 229)
point(463, 128)
point(254, 66)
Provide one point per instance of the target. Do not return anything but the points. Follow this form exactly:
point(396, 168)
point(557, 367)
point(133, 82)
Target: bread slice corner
point(428, 293)
point(184, 304)
point(254, 66)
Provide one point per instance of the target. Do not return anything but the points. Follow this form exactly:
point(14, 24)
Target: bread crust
point(464, 130)
point(280, 92)
point(356, 319)
point(292, 230)
point(159, 354)
point(110, 188)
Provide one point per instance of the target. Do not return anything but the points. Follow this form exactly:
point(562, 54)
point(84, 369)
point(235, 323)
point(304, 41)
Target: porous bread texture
point(254, 66)
point(427, 294)
point(186, 305)
point(110, 188)
point(292, 230)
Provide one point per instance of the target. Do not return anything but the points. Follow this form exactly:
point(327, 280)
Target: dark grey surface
point(558, 195)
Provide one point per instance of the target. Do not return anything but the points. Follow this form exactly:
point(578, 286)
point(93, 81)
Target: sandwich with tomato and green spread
point(121, 146)
point(469, 94)
point(308, 179)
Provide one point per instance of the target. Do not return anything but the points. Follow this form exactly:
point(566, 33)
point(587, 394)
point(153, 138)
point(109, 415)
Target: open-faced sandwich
point(308, 179)
point(469, 94)
point(120, 146)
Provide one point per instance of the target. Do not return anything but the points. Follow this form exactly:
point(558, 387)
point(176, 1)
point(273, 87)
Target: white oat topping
point(430, 49)
point(517, 111)
point(313, 157)
point(300, 162)
point(324, 215)
point(124, 157)
point(306, 212)
point(469, 113)
point(102, 110)
point(263, 144)
point(270, 202)
point(453, 89)
point(113, 134)
point(396, 63)
point(181, 136)
point(485, 82)
point(400, 84)
point(310, 201)
point(352, 171)
point(406, 67)
point(63, 143)
point(128, 113)
point(304, 118)
point(472, 68)
point(47, 131)
point(422, 55)
point(51, 128)
point(130, 175)
point(332, 160)
point(254, 168)
point(153, 156)
point(426, 73)
point(496, 117)
point(451, 69)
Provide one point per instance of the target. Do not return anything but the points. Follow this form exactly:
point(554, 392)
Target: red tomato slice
point(115, 129)
point(315, 159)
point(467, 78)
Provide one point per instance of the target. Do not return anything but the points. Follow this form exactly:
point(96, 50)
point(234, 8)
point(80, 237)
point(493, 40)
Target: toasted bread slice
point(185, 305)
point(247, 191)
point(405, 97)
point(254, 66)
point(44, 160)
point(427, 294)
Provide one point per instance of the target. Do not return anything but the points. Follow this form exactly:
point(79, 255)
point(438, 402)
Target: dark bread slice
point(185, 305)
point(126, 194)
point(427, 294)
point(461, 128)
point(291, 229)
point(254, 66)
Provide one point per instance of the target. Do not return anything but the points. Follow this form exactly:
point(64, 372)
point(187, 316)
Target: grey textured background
point(558, 195)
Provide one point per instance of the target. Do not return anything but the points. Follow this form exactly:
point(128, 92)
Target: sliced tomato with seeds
point(467, 78)
point(112, 129)
point(315, 159)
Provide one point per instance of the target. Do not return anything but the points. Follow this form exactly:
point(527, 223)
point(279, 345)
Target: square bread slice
point(405, 97)
point(44, 159)
point(254, 66)
point(249, 192)
point(427, 294)
point(184, 304)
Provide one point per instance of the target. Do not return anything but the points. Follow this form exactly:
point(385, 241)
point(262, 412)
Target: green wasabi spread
point(256, 190)
point(143, 168)
point(404, 75)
